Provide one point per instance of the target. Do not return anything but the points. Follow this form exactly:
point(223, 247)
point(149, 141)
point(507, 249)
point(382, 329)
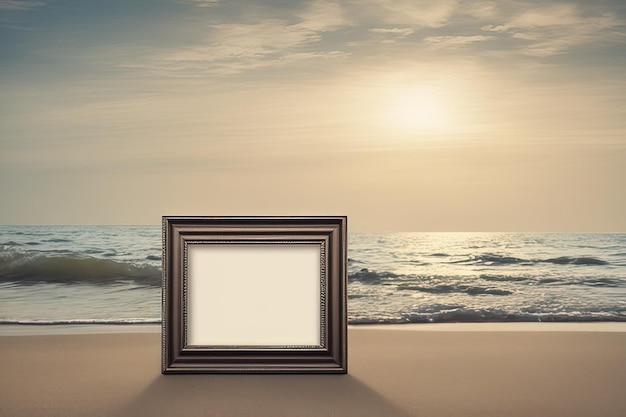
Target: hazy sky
point(404, 115)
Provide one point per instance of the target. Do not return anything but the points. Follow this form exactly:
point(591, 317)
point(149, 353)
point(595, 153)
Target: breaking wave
point(29, 268)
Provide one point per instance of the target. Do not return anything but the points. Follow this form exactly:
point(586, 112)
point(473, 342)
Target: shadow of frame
point(259, 396)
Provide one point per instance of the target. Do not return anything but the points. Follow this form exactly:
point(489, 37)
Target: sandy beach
point(392, 372)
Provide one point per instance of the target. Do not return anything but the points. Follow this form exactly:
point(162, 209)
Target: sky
point(403, 115)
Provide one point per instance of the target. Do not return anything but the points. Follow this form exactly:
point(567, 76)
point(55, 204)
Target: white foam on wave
point(501, 327)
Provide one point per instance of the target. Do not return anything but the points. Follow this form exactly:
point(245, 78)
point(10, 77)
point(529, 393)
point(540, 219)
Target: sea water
point(84, 275)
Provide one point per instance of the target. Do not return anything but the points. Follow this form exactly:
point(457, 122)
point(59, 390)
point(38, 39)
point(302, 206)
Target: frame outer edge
point(342, 298)
point(344, 283)
point(339, 335)
point(163, 294)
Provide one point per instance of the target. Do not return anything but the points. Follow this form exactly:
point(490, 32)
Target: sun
point(417, 109)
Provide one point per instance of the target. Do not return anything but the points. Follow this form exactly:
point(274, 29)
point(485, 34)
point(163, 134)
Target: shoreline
point(595, 326)
point(77, 329)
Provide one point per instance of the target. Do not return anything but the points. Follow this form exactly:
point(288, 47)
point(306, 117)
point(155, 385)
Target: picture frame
point(254, 294)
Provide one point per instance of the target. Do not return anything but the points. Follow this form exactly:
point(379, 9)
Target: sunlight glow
point(416, 110)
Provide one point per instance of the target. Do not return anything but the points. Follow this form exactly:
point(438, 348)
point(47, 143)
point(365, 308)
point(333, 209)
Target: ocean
point(89, 275)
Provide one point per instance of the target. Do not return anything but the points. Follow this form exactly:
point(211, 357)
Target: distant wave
point(504, 278)
point(28, 268)
point(453, 284)
point(13, 243)
point(489, 259)
point(370, 277)
point(566, 260)
point(449, 289)
point(493, 259)
point(416, 283)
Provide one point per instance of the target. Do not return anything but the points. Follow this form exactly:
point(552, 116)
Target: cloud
point(414, 13)
point(539, 29)
point(481, 10)
point(256, 39)
point(10, 8)
point(393, 31)
point(20, 4)
point(456, 40)
point(201, 3)
point(226, 60)
point(240, 46)
point(232, 48)
point(526, 36)
point(547, 16)
point(556, 28)
point(492, 28)
point(323, 16)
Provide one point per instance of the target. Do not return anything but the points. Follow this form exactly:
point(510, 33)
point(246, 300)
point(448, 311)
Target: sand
point(392, 372)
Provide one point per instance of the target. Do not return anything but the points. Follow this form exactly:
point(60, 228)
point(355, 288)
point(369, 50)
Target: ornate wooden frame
point(309, 249)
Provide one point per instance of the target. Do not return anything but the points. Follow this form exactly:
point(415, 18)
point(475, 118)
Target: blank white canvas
point(253, 295)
